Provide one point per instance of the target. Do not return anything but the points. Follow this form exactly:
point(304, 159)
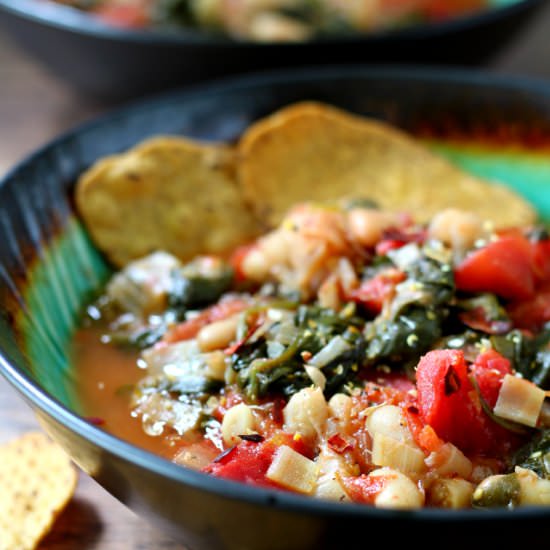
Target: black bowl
point(47, 268)
point(113, 63)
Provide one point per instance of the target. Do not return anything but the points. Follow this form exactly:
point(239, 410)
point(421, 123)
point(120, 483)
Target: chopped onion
point(405, 256)
point(336, 347)
point(347, 275)
point(260, 331)
point(293, 471)
point(274, 349)
point(519, 400)
point(274, 314)
point(317, 377)
point(286, 332)
point(387, 451)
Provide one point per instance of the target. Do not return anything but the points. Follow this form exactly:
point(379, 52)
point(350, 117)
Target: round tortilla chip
point(37, 479)
point(310, 151)
point(168, 193)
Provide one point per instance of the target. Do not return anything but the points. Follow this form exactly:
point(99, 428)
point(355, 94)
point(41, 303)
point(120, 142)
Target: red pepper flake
point(253, 438)
point(306, 355)
point(234, 348)
point(226, 454)
point(340, 443)
point(476, 319)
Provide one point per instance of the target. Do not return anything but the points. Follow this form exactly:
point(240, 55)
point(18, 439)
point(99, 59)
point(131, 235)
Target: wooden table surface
point(35, 107)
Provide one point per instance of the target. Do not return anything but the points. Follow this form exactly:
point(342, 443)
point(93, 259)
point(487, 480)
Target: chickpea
point(389, 420)
point(456, 228)
point(330, 466)
point(398, 491)
point(339, 408)
point(238, 420)
point(255, 265)
point(366, 225)
point(271, 26)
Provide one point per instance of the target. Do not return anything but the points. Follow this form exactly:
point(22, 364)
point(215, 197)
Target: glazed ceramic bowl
point(113, 63)
point(494, 127)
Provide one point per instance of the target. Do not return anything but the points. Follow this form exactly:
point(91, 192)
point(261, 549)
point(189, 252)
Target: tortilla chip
point(310, 151)
point(168, 193)
point(37, 480)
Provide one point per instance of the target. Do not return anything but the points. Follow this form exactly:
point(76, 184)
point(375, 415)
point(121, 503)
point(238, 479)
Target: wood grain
point(35, 107)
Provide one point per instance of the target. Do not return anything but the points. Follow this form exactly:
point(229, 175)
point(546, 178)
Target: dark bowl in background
point(111, 63)
point(48, 268)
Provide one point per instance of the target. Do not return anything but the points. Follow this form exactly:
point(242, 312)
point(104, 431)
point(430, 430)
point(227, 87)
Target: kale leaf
point(528, 354)
point(414, 322)
point(535, 455)
point(258, 374)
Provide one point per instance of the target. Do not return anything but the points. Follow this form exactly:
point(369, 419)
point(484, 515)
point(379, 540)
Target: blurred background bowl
point(493, 126)
point(114, 64)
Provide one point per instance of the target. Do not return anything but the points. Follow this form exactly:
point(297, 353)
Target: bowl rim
point(127, 452)
point(71, 20)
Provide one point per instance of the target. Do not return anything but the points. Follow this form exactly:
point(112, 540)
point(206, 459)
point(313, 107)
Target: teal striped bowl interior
point(494, 127)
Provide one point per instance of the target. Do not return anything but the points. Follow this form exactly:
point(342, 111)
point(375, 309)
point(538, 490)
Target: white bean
point(306, 413)
point(215, 365)
point(218, 335)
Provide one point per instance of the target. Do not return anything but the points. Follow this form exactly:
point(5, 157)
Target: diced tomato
point(340, 443)
point(443, 9)
point(364, 489)
point(477, 319)
point(185, 331)
point(373, 293)
point(541, 260)
point(190, 328)
point(395, 381)
point(423, 434)
point(449, 403)
point(503, 267)
point(394, 238)
point(377, 393)
point(489, 369)
point(249, 461)
point(126, 16)
point(441, 378)
point(237, 258)
point(531, 314)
